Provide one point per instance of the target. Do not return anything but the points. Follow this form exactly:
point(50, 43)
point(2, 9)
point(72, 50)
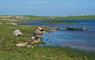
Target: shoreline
point(8, 50)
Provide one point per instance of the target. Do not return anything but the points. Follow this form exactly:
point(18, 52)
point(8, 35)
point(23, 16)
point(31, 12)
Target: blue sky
point(47, 7)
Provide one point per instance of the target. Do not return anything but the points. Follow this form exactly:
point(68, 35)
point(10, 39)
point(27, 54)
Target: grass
point(8, 50)
point(59, 19)
point(75, 17)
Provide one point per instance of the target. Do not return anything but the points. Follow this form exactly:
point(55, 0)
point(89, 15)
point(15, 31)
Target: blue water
point(74, 39)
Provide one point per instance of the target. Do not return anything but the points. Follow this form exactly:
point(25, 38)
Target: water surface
point(74, 39)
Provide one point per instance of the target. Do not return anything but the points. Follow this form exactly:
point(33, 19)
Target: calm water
point(74, 39)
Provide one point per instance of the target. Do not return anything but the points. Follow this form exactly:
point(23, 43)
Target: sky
point(47, 7)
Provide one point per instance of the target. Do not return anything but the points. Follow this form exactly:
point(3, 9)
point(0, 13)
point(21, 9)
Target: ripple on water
point(76, 39)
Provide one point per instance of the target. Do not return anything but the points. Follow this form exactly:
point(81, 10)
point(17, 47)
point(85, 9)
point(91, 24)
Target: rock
point(13, 23)
point(17, 32)
point(21, 44)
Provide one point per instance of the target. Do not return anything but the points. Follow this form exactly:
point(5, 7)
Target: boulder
point(17, 32)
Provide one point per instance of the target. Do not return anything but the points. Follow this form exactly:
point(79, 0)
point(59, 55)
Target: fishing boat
point(76, 28)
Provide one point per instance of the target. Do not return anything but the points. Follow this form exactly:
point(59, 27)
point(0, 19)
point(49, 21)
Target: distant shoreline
point(33, 17)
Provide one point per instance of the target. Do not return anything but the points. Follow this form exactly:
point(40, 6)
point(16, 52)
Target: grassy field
point(75, 17)
point(9, 51)
point(59, 19)
point(31, 17)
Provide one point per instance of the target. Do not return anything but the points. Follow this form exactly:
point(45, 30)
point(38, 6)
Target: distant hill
point(75, 17)
point(31, 17)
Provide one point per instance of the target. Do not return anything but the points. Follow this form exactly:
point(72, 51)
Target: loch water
point(73, 39)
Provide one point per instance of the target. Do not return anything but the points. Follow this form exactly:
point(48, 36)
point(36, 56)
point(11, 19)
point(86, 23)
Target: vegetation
point(75, 17)
point(32, 17)
point(44, 53)
point(9, 51)
point(60, 17)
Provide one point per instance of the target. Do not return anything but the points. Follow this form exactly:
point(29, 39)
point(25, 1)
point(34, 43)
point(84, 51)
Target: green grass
point(44, 53)
point(75, 17)
point(8, 50)
point(31, 17)
point(60, 17)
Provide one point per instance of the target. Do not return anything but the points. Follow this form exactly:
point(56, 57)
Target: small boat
point(53, 29)
point(76, 28)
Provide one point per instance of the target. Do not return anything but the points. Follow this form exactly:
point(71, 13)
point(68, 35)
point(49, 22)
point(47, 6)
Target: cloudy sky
point(47, 7)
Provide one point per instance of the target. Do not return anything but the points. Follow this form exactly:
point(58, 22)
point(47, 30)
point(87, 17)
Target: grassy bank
point(31, 17)
point(8, 50)
point(75, 17)
point(59, 19)
point(46, 53)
